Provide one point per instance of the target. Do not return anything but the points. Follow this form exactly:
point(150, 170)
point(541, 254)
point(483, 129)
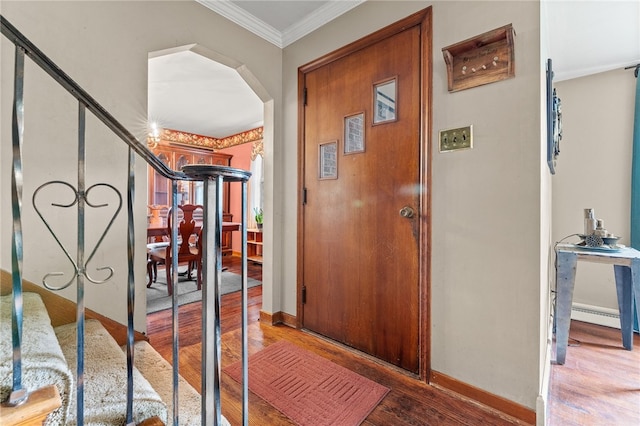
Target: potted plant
point(258, 216)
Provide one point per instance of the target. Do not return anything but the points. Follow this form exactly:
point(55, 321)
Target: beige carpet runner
point(309, 389)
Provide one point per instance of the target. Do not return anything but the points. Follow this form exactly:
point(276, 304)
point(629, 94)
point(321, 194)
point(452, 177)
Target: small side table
point(626, 264)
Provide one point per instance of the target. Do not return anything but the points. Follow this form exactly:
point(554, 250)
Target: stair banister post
point(131, 284)
point(81, 197)
point(174, 299)
point(214, 178)
point(212, 274)
point(18, 393)
point(245, 302)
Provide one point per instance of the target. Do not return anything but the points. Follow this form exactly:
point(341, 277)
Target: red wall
point(241, 160)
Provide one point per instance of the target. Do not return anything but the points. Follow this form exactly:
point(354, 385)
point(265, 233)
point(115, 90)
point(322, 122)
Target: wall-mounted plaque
point(483, 59)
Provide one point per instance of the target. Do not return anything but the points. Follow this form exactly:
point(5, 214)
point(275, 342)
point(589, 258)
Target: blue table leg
point(628, 289)
point(625, 304)
point(565, 281)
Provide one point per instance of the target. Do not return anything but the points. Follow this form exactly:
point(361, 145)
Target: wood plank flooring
point(576, 397)
point(599, 384)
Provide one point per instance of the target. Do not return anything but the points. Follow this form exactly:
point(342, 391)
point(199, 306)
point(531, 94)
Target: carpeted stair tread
point(105, 378)
point(159, 373)
point(43, 362)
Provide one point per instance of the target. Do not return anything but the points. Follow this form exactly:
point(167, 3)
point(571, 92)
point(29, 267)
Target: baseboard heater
point(596, 315)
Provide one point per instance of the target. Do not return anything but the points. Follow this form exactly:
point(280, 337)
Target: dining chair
point(157, 237)
point(189, 244)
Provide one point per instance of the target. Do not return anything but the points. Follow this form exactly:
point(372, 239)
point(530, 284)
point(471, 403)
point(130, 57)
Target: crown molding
point(246, 20)
point(587, 71)
point(310, 23)
point(317, 19)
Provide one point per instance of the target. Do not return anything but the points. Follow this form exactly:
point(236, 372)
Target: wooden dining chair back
point(189, 244)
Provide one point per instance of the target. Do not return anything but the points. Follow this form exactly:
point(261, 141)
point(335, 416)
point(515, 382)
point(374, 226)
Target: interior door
point(362, 209)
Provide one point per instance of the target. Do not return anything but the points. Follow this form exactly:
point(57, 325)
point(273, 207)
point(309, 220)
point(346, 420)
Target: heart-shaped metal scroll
point(78, 269)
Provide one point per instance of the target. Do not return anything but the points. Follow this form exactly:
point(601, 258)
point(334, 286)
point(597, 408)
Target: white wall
point(103, 46)
point(547, 267)
point(594, 170)
point(486, 245)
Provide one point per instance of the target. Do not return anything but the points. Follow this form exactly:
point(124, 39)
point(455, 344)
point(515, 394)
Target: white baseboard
point(596, 315)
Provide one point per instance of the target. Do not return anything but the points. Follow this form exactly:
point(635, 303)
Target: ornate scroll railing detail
point(81, 200)
point(80, 197)
point(212, 177)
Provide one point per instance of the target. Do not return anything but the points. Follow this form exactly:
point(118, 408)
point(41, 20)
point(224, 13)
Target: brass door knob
point(407, 212)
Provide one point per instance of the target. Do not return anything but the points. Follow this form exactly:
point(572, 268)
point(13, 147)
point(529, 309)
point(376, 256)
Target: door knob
point(407, 212)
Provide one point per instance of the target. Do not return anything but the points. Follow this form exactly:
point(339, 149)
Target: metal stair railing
point(212, 177)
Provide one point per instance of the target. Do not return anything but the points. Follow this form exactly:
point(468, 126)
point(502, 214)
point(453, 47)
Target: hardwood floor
point(598, 385)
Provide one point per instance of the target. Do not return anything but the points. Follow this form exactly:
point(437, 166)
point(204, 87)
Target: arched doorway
point(202, 102)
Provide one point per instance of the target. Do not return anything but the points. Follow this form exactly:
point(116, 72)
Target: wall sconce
point(154, 135)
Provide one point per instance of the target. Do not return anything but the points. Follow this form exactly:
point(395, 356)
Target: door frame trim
point(423, 19)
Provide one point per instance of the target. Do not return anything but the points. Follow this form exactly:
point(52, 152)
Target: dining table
point(157, 232)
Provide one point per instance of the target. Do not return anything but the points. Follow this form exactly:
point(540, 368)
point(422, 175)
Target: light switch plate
point(455, 139)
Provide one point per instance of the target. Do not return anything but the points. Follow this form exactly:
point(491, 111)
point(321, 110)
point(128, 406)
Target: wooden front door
point(364, 198)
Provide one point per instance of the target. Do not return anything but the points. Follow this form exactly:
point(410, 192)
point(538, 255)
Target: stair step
point(41, 402)
point(159, 373)
point(43, 362)
point(105, 379)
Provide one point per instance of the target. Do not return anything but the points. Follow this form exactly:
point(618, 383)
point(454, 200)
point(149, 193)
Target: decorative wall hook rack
point(482, 59)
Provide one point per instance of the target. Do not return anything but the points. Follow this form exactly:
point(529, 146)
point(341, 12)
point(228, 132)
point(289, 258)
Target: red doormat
point(307, 388)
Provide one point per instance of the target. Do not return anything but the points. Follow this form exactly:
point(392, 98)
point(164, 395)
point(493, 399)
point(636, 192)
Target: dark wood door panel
point(360, 255)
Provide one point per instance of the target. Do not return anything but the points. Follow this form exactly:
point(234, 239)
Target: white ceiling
point(587, 37)
point(191, 93)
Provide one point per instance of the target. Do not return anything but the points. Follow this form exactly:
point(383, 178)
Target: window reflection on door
point(384, 101)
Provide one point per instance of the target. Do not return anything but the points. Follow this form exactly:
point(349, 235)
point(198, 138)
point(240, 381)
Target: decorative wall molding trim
point(244, 137)
point(257, 149)
point(207, 142)
point(184, 138)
